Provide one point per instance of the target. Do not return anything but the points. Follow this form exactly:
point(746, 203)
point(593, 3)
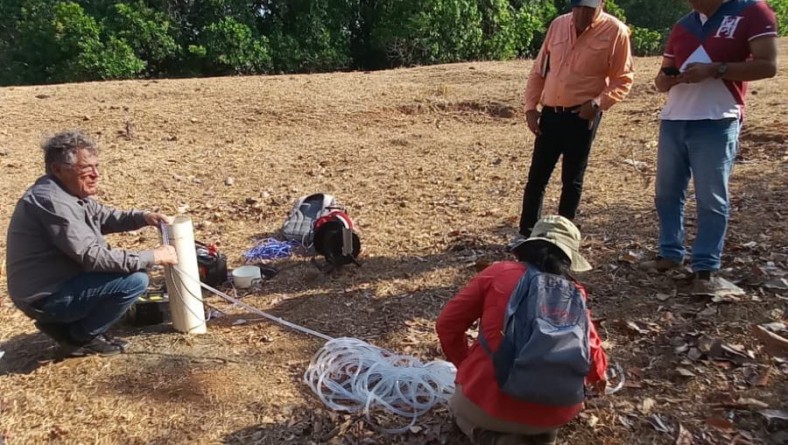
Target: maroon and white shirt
point(723, 37)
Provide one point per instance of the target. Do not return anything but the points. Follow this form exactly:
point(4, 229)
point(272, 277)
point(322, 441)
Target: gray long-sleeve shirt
point(54, 236)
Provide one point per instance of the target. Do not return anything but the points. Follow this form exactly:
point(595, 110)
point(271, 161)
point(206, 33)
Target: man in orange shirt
point(583, 68)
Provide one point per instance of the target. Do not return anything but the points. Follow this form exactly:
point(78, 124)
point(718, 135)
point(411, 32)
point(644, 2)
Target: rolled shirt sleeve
point(621, 73)
point(536, 78)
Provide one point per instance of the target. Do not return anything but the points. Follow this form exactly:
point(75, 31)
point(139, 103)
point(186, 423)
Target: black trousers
point(563, 133)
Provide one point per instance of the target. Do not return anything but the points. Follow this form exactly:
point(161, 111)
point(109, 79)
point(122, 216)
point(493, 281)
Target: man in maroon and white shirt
point(711, 54)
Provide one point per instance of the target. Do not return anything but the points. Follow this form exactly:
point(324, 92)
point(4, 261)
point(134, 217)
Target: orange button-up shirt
point(571, 70)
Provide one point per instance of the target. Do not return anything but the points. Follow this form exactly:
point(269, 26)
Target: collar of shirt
point(79, 201)
point(704, 18)
point(574, 36)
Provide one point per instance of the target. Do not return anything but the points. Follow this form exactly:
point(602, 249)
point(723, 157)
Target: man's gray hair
point(62, 148)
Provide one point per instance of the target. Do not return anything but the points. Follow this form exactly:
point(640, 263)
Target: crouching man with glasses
point(61, 271)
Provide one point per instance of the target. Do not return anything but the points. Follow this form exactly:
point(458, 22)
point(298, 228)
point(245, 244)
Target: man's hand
point(155, 219)
point(588, 110)
point(532, 119)
point(698, 72)
point(665, 82)
point(165, 256)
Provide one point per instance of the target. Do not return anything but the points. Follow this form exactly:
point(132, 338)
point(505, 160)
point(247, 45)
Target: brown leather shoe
point(659, 264)
point(706, 283)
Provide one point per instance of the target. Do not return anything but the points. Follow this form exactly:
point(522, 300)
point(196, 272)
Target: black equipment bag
point(211, 264)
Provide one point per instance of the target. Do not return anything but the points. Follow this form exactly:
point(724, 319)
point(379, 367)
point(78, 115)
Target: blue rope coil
point(270, 249)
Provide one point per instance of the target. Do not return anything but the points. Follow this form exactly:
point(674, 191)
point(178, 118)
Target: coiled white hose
point(351, 375)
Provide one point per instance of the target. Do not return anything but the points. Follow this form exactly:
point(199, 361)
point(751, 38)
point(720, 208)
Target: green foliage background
point(50, 41)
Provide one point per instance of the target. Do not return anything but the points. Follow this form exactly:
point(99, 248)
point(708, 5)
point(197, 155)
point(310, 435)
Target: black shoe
point(123, 344)
point(97, 346)
point(548, 438)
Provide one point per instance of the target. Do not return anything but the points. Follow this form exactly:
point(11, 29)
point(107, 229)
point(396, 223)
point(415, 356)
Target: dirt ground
point(431, 164)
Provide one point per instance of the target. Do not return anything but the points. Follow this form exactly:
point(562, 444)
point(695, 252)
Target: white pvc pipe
point(186, 307)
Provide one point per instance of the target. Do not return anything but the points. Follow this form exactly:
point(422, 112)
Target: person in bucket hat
point(483, 410)
point(563, 234)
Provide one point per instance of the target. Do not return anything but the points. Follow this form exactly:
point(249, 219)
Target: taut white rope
point(351, 375)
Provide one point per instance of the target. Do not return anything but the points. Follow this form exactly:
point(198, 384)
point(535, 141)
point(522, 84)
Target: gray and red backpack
point(318, 222)
point(545, 355)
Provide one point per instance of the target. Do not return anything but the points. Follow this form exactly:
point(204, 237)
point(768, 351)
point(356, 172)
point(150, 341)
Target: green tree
point(61, 43)
point(612, 8)
point(75, 40)
point(229, 47)
point(499, 35)
point(429, 31)
point(532, 17)
point(147, 31)
point(656, 15)
point(308, 35)
point(780, 8)
point(646, 42)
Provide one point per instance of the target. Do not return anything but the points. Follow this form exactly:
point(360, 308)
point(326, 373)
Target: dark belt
point(561, 109)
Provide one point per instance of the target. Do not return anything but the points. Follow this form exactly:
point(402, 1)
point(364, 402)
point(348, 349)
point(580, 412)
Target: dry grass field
point(431, 163)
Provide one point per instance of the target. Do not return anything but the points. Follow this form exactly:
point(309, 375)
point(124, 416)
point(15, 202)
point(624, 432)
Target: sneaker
point(97, 346)
point(548, 438)
point(706, 283)
point(115, 341)
point(487, 437)
point(659, 264)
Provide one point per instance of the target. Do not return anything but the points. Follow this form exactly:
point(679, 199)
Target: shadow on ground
point(320, 426)
point(24, 353)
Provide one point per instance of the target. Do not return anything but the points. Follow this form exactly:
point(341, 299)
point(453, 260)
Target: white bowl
point(245, 277)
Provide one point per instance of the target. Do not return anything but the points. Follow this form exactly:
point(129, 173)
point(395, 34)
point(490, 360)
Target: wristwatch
point(721, 69)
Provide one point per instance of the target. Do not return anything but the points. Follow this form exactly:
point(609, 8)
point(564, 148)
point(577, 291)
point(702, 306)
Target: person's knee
point(536, 182)
point(712, 201)
point(137, 283)
point(665, 199)
point(714, 209)
point(668, 195)
point(572, 182)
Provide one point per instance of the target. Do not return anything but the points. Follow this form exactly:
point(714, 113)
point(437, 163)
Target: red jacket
point(486, 297)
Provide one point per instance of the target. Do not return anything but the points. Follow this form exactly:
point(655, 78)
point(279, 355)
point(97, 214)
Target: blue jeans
point(90, 303)
point(704, 150)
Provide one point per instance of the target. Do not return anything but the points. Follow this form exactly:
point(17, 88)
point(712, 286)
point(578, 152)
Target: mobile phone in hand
point(671, 71)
